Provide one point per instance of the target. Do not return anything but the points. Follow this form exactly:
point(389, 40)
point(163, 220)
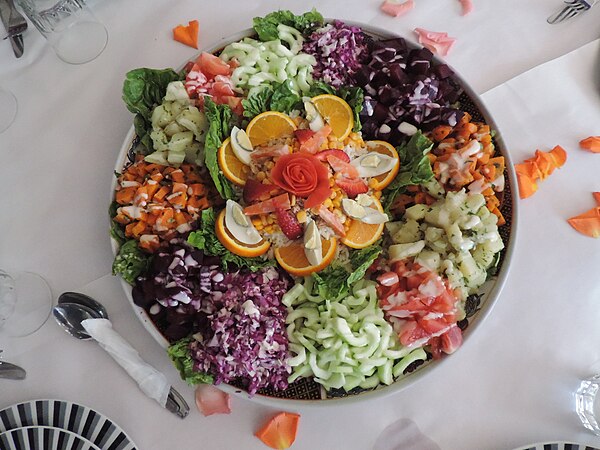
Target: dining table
point(512, 382)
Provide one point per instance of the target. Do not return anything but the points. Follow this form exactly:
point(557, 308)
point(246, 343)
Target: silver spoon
point(11, 371)
point(84, 300)
point(70, 315)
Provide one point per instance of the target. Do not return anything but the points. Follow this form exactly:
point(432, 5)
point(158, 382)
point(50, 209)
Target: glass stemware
point(25, 303)
point(8, 109)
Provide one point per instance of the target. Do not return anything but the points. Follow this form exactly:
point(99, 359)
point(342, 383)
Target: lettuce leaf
point(143, 89)
point(277, 97)
point(179, 352)
point(130, 262)
point(206, 240)
point(415, 167)
point(266, 27)
point(335, 281)
point(220, 121)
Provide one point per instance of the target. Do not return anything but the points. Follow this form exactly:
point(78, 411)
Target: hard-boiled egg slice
point(372, 164)
point(313, 247)
point(315, 120)
point(239, 225)
point(362, 213)
point(241, 145)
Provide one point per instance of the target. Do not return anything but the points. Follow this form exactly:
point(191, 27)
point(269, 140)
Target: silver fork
point(572, 9)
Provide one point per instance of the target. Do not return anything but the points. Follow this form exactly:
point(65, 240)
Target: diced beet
point(364, 75)
point(380, 113)
point(420, 67)
point(385, 55)
point(175, 332)
point(420, 54)
point(443, 71)
point(397, 74)
point(398, 44)
point(388, 95)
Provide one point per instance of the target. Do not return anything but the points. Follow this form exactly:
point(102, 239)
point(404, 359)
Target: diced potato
point(434, 188)
point(429, 259)
point(195, 121)
point(416, 212)
point(408, 233)
point(161, 117)
point(180, 141)
point(455, 236)
point(393, 227)
point(467, 265)
point(159, 139)
point(157, 158)
point(402, 251)
point(175, 158)
point(438, 216)
point(173, 128)
point(176, 92)
point(483, 256)
point(474, 202)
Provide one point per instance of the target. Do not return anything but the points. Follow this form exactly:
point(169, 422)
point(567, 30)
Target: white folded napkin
point(153, 383)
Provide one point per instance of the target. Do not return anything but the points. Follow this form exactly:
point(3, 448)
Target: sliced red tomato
point(268, 206)
point(212, 65)
point(221, 89)
point(426, 305)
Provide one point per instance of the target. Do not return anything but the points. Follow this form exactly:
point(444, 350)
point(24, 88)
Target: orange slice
point(233, 169)
point(360, 234)
point(293, 259)
point(337, 113)
point(235, 246)
point(382, 181)
point(269, 125)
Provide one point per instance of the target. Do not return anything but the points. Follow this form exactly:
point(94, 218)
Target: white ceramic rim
point(488, 299)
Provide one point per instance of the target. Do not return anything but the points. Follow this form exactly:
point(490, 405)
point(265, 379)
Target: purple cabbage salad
point(339, 50)
point(236, 318)
point(404, 85)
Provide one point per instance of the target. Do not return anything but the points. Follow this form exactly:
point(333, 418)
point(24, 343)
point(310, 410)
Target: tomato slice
point(212, 65)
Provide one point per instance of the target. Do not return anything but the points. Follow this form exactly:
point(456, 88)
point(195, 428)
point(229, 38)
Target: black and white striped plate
point(557, 446)
point(43, 438)
point(81, 420)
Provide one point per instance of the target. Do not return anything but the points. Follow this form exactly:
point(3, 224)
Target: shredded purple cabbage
point(403, 85)
point(236, 318)
point(339, 50)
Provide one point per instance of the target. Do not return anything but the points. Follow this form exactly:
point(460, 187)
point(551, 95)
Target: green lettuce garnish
point(179, 352)
point(415, 167)
point(276, 97)
point(130, 262)
point(335, 281)
point(266, 27)
point(143, 89)
point(206, 240)
point(220, 121)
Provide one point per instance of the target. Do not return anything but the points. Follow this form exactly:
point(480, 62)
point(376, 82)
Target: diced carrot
point(149, 242)
point(161, 194)
point(179, 187)
point(280, 431)
point(498, 162)
point(178, 176)
point(166, 220)
point(527, 186)
point(178, 199)
point(596, 197)
point(591, 144)
point(181, 218)
point(466, 118)
point(151, 189)
point(441, 132)
point(431, 157)
point(138, 229)
point(587, 223)
point(168, 170)
point(157, 176)
point(196, 189)
point(122, 219)
point(484, 159)
point(187, 35)
point(125, 195)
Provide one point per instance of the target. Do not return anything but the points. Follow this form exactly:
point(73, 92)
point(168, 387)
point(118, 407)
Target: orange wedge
point(269, 125)
point(235, 246)
point(293, 259)
point(233, 169)
point(382, 181)
point(360, 234)
point(337, 113)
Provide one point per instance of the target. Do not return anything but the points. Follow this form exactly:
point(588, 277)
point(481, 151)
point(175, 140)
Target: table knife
point(7, 9)
point(11, 371)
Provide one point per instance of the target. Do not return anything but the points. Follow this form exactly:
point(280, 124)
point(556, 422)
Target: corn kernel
point(269, 164)
point(261, 176)
point(263, 219)
point(270, 219)
point(301, 216)
point(256, 222)
point(332, 195)
point(293, 200)
point(328, 203)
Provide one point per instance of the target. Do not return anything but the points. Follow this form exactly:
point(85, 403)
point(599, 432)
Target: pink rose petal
point(396, 9)
point(437, 42)
point(467, 6)
point(211, 400)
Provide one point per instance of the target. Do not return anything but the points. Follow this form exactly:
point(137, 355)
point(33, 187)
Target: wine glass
point(25, 303)
point(8, 109)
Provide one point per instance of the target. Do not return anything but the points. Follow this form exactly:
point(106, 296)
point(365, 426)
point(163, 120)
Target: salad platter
point(315, 210)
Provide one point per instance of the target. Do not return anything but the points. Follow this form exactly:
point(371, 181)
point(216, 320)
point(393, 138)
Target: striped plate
point(557, 446)
point(81, 420)
point(43, 438)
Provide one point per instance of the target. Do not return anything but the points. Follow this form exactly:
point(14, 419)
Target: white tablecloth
point(510, 384)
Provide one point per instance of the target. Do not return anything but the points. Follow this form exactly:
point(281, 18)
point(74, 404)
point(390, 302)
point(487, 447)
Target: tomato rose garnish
point(302, 175)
